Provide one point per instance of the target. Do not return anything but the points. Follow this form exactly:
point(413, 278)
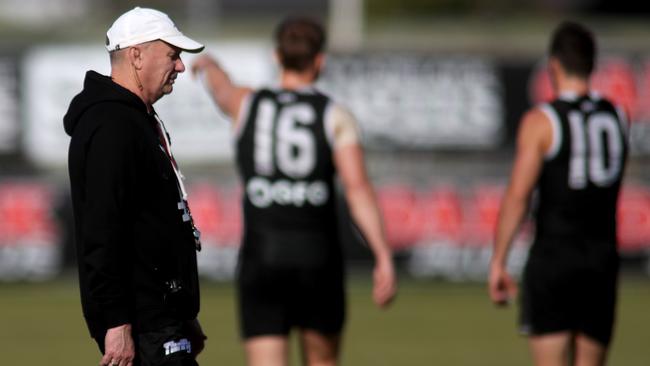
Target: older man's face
point(161, 64)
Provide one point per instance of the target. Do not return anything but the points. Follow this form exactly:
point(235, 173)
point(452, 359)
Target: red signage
point(463, 217)
point(27, 215)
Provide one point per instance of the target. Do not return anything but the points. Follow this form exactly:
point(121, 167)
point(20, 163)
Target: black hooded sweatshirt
point(131, 237)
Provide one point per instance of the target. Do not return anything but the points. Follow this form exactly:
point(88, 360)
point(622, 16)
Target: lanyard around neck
point(166, 145)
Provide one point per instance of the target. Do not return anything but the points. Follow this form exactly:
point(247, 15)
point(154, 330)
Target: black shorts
point(559, 294)
point(288, 280)
point(169, 346)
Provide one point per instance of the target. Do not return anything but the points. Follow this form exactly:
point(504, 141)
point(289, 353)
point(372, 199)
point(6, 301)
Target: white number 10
point(295, 150)
point(600, 172)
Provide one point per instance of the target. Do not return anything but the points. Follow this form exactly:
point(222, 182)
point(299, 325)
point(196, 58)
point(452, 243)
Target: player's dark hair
point(575, 47)
point(298, 41)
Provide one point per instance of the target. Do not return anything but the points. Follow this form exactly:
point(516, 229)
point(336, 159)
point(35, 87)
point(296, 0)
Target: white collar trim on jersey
point(571, 96)
point(568, 96)
point(307, 89)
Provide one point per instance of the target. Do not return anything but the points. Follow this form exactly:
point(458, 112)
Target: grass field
point(432, 323)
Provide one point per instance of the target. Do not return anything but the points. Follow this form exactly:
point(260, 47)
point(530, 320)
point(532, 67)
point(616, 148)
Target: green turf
point(431, 323)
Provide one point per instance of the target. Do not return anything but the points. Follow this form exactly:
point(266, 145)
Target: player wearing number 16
point(573, 150)
point(291, 141)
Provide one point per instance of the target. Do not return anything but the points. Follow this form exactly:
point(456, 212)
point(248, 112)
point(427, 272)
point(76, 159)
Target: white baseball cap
point(140, 25)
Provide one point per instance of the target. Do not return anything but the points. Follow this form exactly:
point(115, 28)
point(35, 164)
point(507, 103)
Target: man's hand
point(501, 286)
point(196, 335)
point(385, 282)
point(202, 62)
point(225, 93)
point(118, 347)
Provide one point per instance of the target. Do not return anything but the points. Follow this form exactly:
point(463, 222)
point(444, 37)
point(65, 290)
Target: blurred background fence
point(438, 87)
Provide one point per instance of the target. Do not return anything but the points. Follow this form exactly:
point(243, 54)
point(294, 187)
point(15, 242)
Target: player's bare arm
point(227, 95)
point(365, 212)
point(533, 141)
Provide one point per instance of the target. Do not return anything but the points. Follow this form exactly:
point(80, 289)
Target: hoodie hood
point(98, 89)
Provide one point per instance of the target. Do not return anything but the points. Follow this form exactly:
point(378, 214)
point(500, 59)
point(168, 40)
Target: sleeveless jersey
point(285, 160)
point(580, 180)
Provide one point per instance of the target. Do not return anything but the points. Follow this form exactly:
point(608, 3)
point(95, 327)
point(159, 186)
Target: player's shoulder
point(607, 104)
point(335, 109)
point(537, 129)
point(334, 104)
point(538, 117)
point(339, 110)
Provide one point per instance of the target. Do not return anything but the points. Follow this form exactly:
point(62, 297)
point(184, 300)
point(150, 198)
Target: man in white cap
point(135, 237)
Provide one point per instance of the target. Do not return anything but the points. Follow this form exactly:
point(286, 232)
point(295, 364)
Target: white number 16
point(295, 149)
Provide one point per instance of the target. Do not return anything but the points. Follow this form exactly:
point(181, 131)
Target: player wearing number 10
point(290, 143)
point(574, 150)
